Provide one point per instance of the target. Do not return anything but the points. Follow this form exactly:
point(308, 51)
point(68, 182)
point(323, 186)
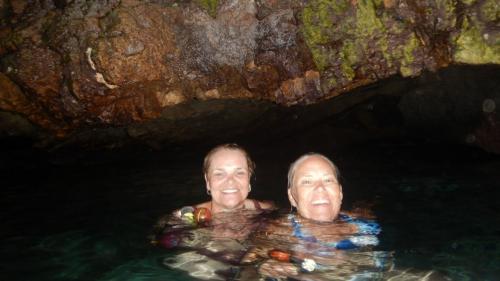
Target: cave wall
point(150, 70)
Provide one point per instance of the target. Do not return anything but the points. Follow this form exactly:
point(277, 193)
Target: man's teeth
point(230, 191)
point(320, 202)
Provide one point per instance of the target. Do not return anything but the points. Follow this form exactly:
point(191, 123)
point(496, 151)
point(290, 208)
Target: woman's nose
point(320, 186)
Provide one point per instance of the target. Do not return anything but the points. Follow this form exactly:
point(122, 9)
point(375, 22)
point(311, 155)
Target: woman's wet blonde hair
point(228, 146)
point(293, 166)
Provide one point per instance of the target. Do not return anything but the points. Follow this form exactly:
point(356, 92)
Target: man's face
point(228, 179)
point(315, 190)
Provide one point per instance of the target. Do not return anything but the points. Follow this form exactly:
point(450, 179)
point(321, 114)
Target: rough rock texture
point(73, 67)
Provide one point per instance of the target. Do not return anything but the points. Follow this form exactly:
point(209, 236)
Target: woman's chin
point(323, 218)
point(321, 215)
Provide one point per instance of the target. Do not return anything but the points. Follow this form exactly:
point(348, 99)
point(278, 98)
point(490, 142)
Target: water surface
point(89, 220)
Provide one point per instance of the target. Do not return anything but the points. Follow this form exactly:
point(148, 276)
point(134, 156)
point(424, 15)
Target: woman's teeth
point(227, 191)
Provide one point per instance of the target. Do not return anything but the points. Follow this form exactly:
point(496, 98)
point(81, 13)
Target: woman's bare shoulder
point(267, 205)
point(252, 204)
point(207, 205)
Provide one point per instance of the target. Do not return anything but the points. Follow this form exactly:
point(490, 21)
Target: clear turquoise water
point(89, 221)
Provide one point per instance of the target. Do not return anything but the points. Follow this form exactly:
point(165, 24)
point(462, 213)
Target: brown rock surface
point(70, 66)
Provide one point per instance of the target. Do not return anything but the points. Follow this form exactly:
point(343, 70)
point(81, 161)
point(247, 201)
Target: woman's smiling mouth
point(321, 202)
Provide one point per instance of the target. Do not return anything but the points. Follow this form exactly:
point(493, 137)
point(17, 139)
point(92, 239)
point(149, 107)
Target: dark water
point(89, 219)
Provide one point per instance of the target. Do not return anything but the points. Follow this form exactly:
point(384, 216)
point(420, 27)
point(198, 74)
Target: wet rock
point(18, 6)
point(91, 64)
point(11, 96)
point(229, 39)
point(134, 48)
point(125, 58)
point(261, 78)
point(487, 135)
point(170, 98)
point(303, 90)
point(41, 92)
point(15, 125)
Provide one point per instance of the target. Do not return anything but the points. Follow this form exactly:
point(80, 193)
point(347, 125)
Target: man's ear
point(292, 198)
point(341, 194)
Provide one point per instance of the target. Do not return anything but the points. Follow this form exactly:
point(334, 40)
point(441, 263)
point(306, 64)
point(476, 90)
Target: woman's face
point(228, 179)
point(316, 191)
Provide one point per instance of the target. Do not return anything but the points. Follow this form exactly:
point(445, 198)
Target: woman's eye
point(306, 182)
point(330, 180)
point(241, 173)
point(218, 175)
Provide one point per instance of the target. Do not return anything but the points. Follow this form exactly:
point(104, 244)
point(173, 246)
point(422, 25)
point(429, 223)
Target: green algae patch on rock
point(316, 26)
point(323, 28)
point(408, 56)
point(353, 42)
point(468, 2)
point(320, 58)
point(490, 10)
point(367, 22)
point(209, 5)
point(445, 14)
point(472, 46)
point(340, 36)
point(350, 56)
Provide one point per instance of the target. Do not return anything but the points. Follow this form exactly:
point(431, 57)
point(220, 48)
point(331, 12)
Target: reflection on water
point(232, 244)
point(211, 250)
point(91, 222)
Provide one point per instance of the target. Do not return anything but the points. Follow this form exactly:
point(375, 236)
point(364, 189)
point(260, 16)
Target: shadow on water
point(88, 219)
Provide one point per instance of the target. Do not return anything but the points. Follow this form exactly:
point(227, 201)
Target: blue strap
point(345, 244)
point(297, 232)
point(365, 227)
